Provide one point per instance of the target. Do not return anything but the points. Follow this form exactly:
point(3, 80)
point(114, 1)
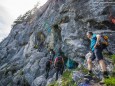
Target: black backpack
point(48, 64)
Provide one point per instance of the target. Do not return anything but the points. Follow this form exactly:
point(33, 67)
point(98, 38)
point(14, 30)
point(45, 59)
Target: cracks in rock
point(103, 25)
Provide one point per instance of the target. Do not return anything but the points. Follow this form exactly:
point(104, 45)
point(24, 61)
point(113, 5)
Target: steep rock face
point(20, 61)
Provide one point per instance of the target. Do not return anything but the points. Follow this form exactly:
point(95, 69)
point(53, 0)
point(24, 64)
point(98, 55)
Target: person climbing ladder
point(59, 66)
point(97, 49)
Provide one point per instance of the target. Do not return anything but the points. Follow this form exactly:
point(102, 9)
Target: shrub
point(53, 84)
point(110, 81)
point(66, 80)
point(113, 58)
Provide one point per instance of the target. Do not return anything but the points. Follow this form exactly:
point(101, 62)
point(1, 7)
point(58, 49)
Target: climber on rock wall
point(52, 54)
point(48, 67)
point(97, 49)
point(59, 65)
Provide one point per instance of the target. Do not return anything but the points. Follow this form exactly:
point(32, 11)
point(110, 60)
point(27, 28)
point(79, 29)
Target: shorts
point(97, 54)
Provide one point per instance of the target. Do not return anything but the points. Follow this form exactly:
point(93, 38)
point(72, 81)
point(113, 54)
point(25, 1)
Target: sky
point(10, 10)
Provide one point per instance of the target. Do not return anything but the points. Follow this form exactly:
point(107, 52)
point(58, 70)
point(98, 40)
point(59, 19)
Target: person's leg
point(61, 71)
point(89, 62)
point(47, 73)
point(102, 65)
point(99, 56)
point(57, 71)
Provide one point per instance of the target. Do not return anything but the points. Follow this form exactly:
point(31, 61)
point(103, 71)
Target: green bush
point(66, 80)
point(110, 81)
point(66, 74)
point(113, 58)
point(53, 84)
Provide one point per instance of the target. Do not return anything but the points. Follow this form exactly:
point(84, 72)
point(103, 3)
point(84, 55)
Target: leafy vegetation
point(53, 84)
point(66, 79)
point(110, 81)
point(67, 76)
point(113, 59)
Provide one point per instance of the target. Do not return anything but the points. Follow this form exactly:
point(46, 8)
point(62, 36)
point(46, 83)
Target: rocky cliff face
point(23, 52)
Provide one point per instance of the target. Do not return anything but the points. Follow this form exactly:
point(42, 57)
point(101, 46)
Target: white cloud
point(5, 23)
point(10, 10)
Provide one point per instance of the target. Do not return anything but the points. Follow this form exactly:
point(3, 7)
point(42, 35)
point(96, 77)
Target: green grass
point(66, 80)
point(113, 59)
point(82, 69)
point(110, 81)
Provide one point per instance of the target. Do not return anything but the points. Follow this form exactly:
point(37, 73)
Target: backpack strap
point(56, 59)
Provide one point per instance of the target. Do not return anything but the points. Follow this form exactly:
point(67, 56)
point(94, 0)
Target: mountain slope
point(24, 52)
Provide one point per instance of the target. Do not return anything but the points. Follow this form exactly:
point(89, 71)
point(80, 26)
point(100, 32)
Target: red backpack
point(112, 19)
point(59, 61)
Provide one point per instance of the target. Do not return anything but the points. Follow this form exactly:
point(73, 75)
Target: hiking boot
point(102, 81)
point(105, 76)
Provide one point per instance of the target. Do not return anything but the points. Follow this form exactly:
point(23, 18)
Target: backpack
point(112, 19)
point(71, 64)
point(59, 61)
point(104, 40)
point(48, 64)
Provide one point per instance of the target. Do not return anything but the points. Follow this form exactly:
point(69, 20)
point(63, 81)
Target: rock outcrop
point(58, 24)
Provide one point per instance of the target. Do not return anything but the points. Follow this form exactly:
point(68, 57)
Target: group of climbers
point(97, 45)
point(56, 62)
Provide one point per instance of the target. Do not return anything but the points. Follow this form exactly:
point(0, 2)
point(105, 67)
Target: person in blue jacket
point(96, 49)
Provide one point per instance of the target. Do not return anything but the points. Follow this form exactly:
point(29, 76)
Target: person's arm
point(54, 62)
point(63, 61)
point(98, 39)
